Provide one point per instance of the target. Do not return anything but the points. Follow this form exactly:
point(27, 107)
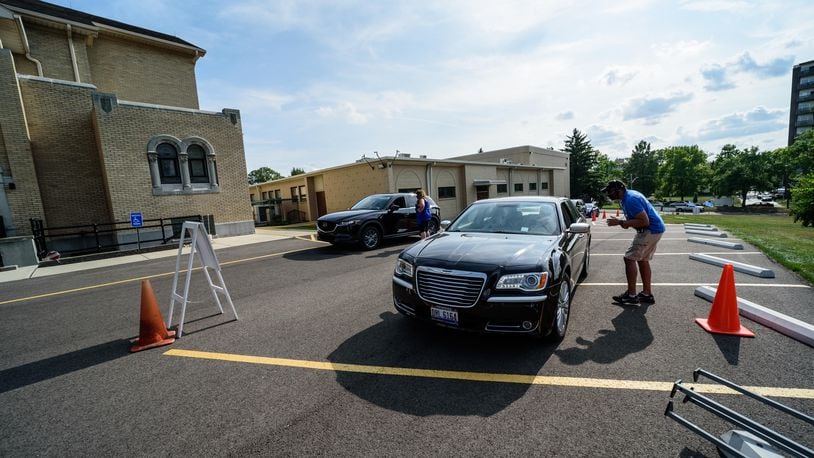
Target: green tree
point(682, 170)
point(641, 170)
point(803, 207)
point(737, 171)
point(607, 169)
point(801, 153)
point(262, 175)
point(297, 171)
point(585, 181)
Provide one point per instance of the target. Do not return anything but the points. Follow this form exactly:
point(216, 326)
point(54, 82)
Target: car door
point(574, 244)
point(407, 219)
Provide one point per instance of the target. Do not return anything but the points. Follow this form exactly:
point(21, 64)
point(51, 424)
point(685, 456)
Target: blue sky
point(320, 83)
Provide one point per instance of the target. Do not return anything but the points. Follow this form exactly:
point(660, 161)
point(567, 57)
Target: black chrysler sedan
point(376, 217)
point(505, 265)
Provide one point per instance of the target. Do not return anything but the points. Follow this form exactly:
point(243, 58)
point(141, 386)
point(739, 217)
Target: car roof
point(522, 199)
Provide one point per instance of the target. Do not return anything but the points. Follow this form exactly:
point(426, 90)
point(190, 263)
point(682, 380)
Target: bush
point(802, 204)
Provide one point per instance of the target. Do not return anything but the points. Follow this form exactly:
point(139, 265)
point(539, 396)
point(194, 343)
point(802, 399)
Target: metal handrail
point(98, 230)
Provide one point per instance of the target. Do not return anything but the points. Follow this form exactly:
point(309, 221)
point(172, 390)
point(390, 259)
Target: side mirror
point(579, 228)
point(445, 224)
point(394, 207)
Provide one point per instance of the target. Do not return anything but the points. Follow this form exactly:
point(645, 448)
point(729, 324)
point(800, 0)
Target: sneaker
point(626, 298)
point(646, 298)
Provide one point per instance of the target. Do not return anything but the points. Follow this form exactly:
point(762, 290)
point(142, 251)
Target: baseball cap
point(613, 185)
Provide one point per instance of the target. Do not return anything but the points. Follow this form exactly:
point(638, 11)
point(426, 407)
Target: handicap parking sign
point(136, 220)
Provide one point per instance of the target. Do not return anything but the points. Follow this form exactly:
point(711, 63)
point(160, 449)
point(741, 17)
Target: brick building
point(452, 183)
point(100, 119)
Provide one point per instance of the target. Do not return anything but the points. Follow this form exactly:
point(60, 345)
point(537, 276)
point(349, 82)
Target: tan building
point(452, 183)
point(101, 119)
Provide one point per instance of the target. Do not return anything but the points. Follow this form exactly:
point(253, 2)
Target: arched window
point(198, 172)
point(168, 165)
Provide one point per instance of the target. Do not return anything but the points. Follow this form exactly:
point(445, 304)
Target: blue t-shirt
point(633, 203)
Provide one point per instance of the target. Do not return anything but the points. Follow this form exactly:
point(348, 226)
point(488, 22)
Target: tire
point(562, 312)
point(432, 226)
point(370, 237)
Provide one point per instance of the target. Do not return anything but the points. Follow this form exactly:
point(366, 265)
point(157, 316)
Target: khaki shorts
point(643, 246)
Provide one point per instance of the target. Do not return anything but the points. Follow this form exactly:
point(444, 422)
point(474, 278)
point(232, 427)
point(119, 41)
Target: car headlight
point(404, 268)
point(350, 222)
point(533, 281)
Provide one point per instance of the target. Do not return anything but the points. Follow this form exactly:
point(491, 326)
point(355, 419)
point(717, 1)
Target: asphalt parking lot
point(321, 364)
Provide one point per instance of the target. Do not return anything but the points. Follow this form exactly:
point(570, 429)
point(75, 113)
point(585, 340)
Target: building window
point(502, 188)
point(182, 166)
point(196, 158)
point(532, 186)
point(168, 163)
point(302, 193)
point(543, 185)
point(518, 187)
point(446, 192)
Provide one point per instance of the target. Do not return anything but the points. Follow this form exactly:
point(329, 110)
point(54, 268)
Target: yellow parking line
point(488, 377)
point(147, 277)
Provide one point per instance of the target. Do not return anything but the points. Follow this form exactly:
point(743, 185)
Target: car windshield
point(537, 218)
point(372, 203)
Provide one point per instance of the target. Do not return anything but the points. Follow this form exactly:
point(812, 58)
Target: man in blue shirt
point(639, 215)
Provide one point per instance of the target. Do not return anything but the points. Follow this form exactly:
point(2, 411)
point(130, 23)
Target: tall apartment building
point(100, 119)
point(801, 114)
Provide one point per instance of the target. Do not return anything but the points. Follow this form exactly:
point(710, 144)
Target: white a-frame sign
point(200, 245)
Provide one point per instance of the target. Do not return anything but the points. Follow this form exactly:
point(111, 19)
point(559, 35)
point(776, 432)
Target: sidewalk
point(262, 234)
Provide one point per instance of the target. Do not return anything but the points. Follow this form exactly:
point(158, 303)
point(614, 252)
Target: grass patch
point(776, 235)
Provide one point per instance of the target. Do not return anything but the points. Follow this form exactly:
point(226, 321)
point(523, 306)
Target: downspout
point(25, 44)
point(73, 54)
point(428, 177)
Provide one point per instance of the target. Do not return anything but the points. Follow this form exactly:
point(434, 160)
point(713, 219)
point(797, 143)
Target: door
point(481, 192)
point(321, 207)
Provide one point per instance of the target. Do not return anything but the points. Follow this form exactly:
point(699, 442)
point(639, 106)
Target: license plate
point(444, 315)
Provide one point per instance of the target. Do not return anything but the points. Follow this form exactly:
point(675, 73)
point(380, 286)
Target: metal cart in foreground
point(753, 439)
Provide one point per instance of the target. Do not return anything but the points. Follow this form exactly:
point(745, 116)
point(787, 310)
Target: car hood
point(345, 215)
point(457, 248)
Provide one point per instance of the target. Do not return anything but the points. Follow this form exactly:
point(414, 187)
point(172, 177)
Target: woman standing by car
point(422, 213)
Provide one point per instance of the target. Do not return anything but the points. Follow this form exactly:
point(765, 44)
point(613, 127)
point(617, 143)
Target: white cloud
point(756, 121)
point(345, 111)
point(653, 109)
point(618, 75)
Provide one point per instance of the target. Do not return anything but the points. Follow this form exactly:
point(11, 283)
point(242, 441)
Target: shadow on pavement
point(730, 347)
point(399, 342)
point(38, 371)
point(630, 334)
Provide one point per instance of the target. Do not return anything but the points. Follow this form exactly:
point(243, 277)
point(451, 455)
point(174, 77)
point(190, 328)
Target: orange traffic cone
point(152, 330)
point(604, 215)
point(723, 317)
point(617, 212)
point(593, 216)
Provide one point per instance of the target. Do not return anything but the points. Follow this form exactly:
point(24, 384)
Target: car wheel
point(586, 262)
point(370, 237)
point(562, 312)
point(432, 226)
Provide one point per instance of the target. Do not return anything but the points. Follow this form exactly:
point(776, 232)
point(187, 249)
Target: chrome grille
point(453, 288)
point(326, 226)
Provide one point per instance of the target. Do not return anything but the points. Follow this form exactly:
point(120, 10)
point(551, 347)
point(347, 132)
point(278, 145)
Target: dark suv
point(374, 218)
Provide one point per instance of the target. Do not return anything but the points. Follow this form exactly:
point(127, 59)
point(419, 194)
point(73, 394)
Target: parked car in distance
point(681, 207)
point(591, 208)
point(374, 218)
point(506, 265)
